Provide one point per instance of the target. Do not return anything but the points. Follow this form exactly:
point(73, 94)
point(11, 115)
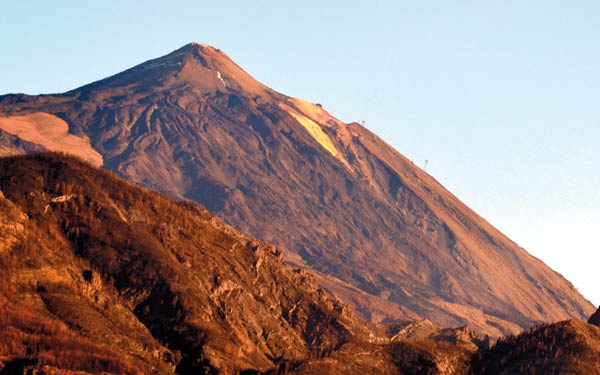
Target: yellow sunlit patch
point(51, 132)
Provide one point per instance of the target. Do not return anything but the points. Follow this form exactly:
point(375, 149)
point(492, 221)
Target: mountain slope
point(378, 232)
point(148, 285)
point(99, 276)
point(567, 347)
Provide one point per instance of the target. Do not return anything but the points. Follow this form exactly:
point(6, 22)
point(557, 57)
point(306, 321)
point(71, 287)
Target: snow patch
point(220, 77)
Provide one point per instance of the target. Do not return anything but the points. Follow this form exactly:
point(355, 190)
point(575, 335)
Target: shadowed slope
point(149, 283)
point(567, 347)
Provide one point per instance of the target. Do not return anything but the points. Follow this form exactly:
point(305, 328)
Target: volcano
point(377, 231)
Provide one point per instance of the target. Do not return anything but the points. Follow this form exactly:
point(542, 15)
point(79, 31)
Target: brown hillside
point(99, 276)
point(131, 282)
point(568, 347)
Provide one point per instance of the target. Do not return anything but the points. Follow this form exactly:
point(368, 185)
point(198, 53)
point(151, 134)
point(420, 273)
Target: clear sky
point(501, 96)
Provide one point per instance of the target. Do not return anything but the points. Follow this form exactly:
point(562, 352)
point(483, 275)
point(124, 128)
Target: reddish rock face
point(376, 230)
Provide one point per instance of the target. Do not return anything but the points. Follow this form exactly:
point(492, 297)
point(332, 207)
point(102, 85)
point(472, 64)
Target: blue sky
point(500, 96)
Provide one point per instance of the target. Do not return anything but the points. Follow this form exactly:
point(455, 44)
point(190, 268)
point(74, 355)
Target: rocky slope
point(131, 272)
point(99, 276)
point(567, 347)
point(377, 231)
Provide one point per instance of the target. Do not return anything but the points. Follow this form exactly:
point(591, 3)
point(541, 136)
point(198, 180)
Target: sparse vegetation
point(179, 271)
point(111, 278)
point(46, 342)
point(568, 347)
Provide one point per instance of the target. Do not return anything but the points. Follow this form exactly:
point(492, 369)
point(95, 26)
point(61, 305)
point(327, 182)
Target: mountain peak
point(376, 230)
point(200, 46)
point(199, 49)
point(199, 66)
